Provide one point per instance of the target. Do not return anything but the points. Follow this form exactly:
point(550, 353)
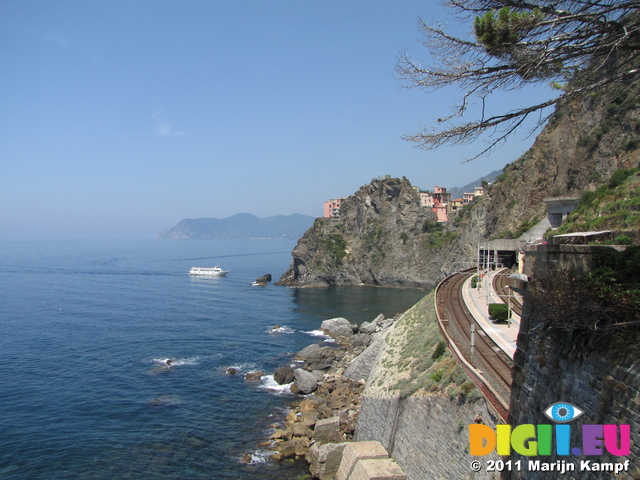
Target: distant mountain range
point(242, 225)
point(456, 192)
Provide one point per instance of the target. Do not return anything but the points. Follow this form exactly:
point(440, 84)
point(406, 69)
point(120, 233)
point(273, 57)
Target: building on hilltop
point(441, 213)
point(440, 196)
point(468, 197)
point(438, 201)
point(426, 200)
point(332, 208)
point(457, 203)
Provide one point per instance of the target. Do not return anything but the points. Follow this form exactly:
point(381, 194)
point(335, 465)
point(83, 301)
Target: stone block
point(327, 430)
point(355, 452)
point(324, 460)
point(377, 469)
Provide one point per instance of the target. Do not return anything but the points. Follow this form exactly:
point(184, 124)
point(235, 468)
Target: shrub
point(431, 226)
point(623, 240)
point(618, 177)
point(439, 351)
point(631, 145)
point(474, 281)
point(336, 246)
point(499, 312)
point(587, 198)
point(437, 375)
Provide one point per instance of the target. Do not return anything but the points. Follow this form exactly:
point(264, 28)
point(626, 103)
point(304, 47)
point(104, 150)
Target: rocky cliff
point(581, 146)
point(383, 237)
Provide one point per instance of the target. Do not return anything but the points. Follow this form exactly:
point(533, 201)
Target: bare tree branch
point(582, 44)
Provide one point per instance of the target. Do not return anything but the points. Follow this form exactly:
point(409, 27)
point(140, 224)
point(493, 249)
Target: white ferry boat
point(208, 271)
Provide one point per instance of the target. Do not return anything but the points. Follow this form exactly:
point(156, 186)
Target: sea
point(87, 325)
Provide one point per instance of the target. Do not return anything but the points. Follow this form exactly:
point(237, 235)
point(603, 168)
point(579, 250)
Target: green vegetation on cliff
point(415, 360)
point(614, 205)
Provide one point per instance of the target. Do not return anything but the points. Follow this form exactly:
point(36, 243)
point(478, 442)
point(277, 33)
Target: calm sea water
point(86, 325)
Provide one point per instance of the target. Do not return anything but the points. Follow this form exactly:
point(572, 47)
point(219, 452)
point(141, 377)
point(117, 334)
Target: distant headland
point(242, 225)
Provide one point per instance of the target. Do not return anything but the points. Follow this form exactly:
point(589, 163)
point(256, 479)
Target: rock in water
point(253, 376)
point(283, 375)
point(264, 278)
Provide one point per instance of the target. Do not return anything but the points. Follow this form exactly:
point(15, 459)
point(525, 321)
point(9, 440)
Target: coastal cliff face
point(383, 237)
point(581, 146)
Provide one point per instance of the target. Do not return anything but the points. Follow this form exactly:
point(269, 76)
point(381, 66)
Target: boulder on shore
point(304, 382)
point(307, 351)
point(338, 327)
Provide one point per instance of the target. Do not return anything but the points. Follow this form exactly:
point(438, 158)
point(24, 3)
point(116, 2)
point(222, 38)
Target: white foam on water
point(177, 361)
point(268, 383)
point(260, 457)
point(242, 367)
point(280, 329)
point(320, 333)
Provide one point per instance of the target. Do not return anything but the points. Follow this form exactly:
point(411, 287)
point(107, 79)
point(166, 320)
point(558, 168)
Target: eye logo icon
point(562, 412)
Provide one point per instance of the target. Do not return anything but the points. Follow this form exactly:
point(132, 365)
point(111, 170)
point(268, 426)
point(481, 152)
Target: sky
point(121, 118)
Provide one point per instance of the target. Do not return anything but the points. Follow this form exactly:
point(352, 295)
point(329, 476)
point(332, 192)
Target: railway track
point(487, 357)
point(501, 288)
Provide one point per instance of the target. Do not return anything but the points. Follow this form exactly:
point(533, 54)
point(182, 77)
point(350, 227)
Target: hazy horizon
point(121, 119)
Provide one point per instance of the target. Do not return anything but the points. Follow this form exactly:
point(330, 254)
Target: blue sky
point(120, 118)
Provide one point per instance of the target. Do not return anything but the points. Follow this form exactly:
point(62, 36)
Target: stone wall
point(577, 258)
point(425, 429)
point(427, 435)
point(604, 385)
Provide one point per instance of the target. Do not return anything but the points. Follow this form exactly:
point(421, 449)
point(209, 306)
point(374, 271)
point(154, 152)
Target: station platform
point(477, 301)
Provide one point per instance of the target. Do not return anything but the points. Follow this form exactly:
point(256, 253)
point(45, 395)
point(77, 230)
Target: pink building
point(438, 201)
point(468, 197)
point(426, 200)
point(332, 207)
point(441, 213)
point(440, 196)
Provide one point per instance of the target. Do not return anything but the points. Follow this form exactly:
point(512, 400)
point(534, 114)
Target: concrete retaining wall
point(427, 435)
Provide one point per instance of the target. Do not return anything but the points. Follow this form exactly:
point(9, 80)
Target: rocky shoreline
point(330, 382)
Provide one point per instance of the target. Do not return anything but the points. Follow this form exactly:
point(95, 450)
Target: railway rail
point(492, 366)
point(502, 289)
